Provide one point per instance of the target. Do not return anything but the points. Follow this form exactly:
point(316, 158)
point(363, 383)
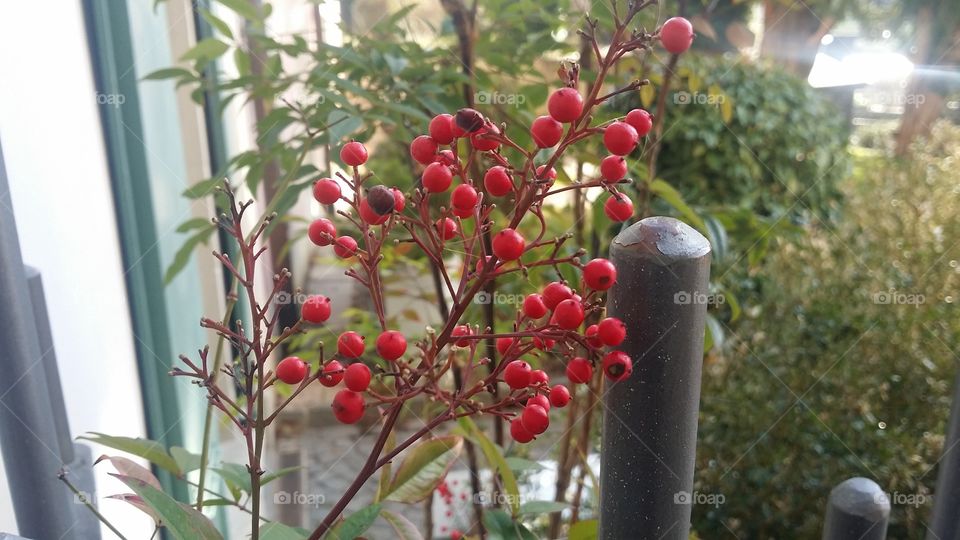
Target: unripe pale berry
point(618, 207)
point(517, 374)
point(357, 377)
point(620, 138)
point(292, 370)
point(546, 131)
point(599, 274)
point(446, 228)
point(423, 149)
point(508, 245)
point(565, 105)
point(568, 314)
point(332, 374)
point(556, 292)
point(322, 232)
point(345, 247)
point(641, 120)
point(617, 366)
point(535, 419)
point(676, 35)
point(437, 178)
point(353, 153)
point(579, 370)
point(391, 345)
point(613, 168)
point(440, 128)
point(464, 197)
point(348, 406)
point(326, 191)
point(534, 306)
point(315, 309)
point(497, 181)
point(350, 345)
point(559, 396)
point(611, 331)
point(518, 432)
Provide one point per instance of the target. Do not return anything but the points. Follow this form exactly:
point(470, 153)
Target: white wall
point(52, 142)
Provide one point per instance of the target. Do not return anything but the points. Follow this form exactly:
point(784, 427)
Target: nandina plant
point(447, 217)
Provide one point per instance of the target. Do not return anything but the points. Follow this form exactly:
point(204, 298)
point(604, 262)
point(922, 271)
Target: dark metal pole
point(944, 525)
point(858, 509)
point(28, 437)
point(650, 420)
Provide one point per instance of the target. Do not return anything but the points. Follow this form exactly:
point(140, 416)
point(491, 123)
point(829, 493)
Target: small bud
point(380, 199)
point(469, 120)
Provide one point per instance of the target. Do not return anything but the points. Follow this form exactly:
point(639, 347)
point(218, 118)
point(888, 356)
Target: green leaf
point(356, 524)
point(206, 49)
point(191, 224)
point(714, 334)
point(235, 475)
point(217, 23)
point(542, 507)
point(402, 526)
point(202, 188)
point(186, 460)
point(517, 464)
point(244, 8)
point(673, 197)
point(423, 468)
point(182, 257)
point(267, 478)
point(495, 459)
point(340, 124)
point(583, 530)
point(151, 451)
point(182, 521)
point(279, 531)
point(130, 468)
point(500, 526)
point(717, 234)
point(168, 73)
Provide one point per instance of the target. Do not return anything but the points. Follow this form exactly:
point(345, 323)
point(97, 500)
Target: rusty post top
point(663, 239)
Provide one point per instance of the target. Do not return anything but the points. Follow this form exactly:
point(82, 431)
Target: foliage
point(843, 367)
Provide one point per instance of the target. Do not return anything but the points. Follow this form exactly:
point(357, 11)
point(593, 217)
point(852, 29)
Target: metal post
point(28, 437)
point(944, 524)
point(858, 509)
point(650, 419)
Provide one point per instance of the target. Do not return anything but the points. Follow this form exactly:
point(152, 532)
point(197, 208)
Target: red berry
point(539, 400)
point(456, 535)
point(350, 345)
point(539, 376)
point(357, 377)
point(348, 406)
point(326, 191)
point(399, 201)
point(482, 263)
point(423, 149)
point(497, 181)
point(543, 344)
point(559, 396)
point(315, 309)
point(592, 335)
point(535, 419)
point(437, 178)
point(517, 374)
point(465, 213)
point(345, 247)
point(617, 366)
point(508, 245)
point(556, 292)
point(446, 157)
point(322, 232)
point(579, 370)
point(504, 344)
point(611, 331)
point(391, 345)
point(460, 331)
point(613, 168)
point(446, 228)
point(641, 120)
point(676, 35)
point(292, 370)
point(464, 197)
point(353, 154)
point(568, 314)
point(565, 105)
point(620, 138)
point(599, 274)
point(546, 131)
point(371, 216)
point(484, 141)
point(518, 432)
point(618, 207)
point(441, 128)
point(332, 374)
point(534, 306)
point(550, 175)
